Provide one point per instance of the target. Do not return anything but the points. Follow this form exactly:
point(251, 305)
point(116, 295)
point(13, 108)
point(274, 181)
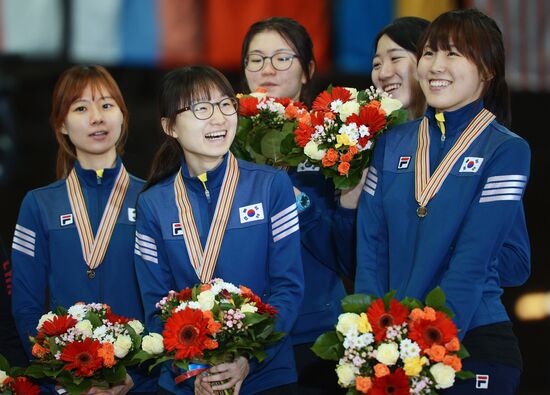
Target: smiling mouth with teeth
point(439, 83)
point(100, 133)
point(391, 88)
point(215, 136)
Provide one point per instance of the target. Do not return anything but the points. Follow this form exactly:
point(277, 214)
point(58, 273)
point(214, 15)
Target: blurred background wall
point(139, 40)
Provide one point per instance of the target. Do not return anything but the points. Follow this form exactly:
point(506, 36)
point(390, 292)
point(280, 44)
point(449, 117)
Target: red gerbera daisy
point(380, 319)
point(262, 307)
point(439, 331)
point(248, 106)
point(186, 332)
point(83, 357)
point(184, 295)
point(115, 318)
point(317, 118)
point(58, 325)
point(323, 101)
point(371, 116)
point(302, 134)
point(23, 386)
point(395, 383)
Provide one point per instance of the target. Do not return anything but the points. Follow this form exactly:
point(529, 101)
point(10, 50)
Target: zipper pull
point(99, 176)
point(203, 178)
point(440, 118)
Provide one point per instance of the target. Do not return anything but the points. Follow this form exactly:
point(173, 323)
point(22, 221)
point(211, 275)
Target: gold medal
point(421, 211)
point(91, 274)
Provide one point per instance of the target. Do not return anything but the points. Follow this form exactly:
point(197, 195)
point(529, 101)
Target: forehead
point(386, 45)
point(268, 41)
point(93, 91)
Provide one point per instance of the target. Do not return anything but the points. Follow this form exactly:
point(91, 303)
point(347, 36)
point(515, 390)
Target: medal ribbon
point(426, 187)
point(204, 262)
point(94, 249)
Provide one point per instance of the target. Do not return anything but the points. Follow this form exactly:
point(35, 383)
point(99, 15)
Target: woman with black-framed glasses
point(247, 212)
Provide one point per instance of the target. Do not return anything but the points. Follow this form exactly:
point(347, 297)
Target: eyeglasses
point(204, 109)
point(280, 61)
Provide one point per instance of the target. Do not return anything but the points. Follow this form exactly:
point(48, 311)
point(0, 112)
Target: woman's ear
point(311, 69)
point(165, 127)
point(63, 129)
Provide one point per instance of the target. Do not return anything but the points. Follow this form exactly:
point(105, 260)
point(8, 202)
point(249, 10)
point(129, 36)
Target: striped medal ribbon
point(426, 187)
point(204, 262)
point(94, 248)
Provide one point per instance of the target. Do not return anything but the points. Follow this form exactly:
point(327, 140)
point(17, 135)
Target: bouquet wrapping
point(13, 381)
point(214, 323)
point(265, 133)
point(341, 129)
point(381, 344)
point(86, 346)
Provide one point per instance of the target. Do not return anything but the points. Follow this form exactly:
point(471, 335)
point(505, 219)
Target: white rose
point(312, 151)
point(353, 92)
point(122, 345)
point(348, 108)
point(85, 328)
point(387, 353)
point(346, 322)
point(248, 308)
point(443, 375)
point(390, 105)
point(44, 318)
point(346, 374)
point(152, 343)
point(206, 300)
point(137, 326)
point(3, 376)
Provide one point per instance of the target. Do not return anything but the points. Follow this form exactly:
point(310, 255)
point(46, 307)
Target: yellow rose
point(390, 105)
point(387, 353)
point(348, 108)
point(443, 375)
point(413, 366)
point(346, 374)
point(347, 321)
point(363, 324)
point(343, 139)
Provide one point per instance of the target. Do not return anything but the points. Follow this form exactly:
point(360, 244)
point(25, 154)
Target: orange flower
point(343, 168)
point(38, 351)
point(375, 103)
point(248, 106)
point(245, 290)
point(453, 344)
point(107, 353)
point(416, 314)
point(330, 158)
point(205, 287)
point(454, 362)
point(436, 352)
point(302, 134)
point(213, 326)
point(381, 370)
point(261, 90)
point(304, 117)
point(353, 150)
point(429, 314)
point(330, 115)
point(346, 157)
point(363, 384)
point(291, 112)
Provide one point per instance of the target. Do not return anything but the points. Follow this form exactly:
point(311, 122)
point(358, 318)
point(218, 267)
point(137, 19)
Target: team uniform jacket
point(458, 243)
point(260, 249)
point(47, 255)
point(323, 287)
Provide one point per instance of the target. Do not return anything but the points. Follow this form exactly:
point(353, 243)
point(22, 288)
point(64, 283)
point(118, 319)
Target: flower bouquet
point(215, 323)
point(265, 132)
point(13, 382)
point(342, 126)
point(85, 346)
point(382, 344)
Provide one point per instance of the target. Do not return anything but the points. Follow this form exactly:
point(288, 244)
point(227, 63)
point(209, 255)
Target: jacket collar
point(89, 177)
point(456, 121)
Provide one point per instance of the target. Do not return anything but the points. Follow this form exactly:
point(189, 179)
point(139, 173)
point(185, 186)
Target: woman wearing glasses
point(277, 55)
point(194, 169)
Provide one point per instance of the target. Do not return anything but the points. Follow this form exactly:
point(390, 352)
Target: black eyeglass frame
point(212, 106)
point(290, 54)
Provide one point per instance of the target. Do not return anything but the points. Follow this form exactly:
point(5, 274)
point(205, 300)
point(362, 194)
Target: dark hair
point(295, 35)
point(405, 32)
point(478, 38)
point(180, 88)
point(68, 88)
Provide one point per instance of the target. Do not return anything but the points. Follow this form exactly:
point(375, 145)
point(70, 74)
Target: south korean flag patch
point(471, 165)
point(66, 219)
point(254, 212)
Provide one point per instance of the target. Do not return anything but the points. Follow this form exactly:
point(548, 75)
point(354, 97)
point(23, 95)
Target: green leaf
point(328, 346)
point(94, 319)
point(116, 374)
point(462, 352)
point(357, 303)
point(465, 375)
point(412, 303)
point(253, 318)
point(35, 370)
point(362, 96)
point(388, 297)
point(60, 310)
point(436, 298)
point(76, 388)
point(4, 364)
point(271, 145)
